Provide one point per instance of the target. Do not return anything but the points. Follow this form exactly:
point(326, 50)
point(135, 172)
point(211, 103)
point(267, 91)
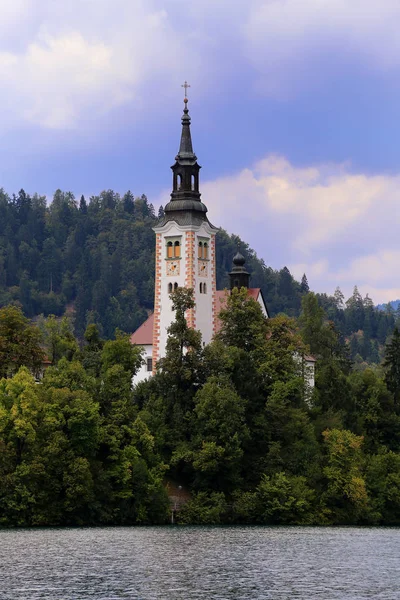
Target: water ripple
point(193, 563)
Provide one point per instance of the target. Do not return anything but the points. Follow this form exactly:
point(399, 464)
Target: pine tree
point(339, 298)
point(128, 202)
point(304, 287)
point(392, 365)
point(355, 311)
point(397, 314)
point(82, 205)
point(368, 302)
point(285, 282)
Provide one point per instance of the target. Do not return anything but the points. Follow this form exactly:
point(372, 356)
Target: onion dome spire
point(239, 277)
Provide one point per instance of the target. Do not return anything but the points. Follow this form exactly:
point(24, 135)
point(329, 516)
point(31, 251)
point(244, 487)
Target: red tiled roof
point(254, 293)
point(221, 296)
point(143, 336)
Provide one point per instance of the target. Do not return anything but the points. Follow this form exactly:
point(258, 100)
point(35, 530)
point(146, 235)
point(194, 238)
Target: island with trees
point(232, 425)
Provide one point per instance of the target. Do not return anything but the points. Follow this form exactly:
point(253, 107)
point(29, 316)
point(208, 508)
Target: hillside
point(95, 260)
point(394, 304)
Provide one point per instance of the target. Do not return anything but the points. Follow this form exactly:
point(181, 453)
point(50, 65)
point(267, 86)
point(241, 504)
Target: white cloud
point(286, 38)
point(339, 227)
point(85, 58)
point(62, 74)
point(64, 61)
point(326, 199)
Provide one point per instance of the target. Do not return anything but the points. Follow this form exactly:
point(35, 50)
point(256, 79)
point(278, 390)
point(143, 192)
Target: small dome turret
point(239, 260)
point(239, 277)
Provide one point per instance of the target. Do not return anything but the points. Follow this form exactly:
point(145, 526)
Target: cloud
point(287, 40)
point(326, 200)
point(60, 75)
point(64, 62)
point(339, 227)
point(85, 58)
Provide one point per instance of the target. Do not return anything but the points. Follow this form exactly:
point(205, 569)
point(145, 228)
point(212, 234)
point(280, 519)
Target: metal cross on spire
point(186, 86)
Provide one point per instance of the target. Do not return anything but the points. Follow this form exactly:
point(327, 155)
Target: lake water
point(190, 563)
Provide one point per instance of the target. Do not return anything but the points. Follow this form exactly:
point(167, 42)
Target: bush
point(203, 509)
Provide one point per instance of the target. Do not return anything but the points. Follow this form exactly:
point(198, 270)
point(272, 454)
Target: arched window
point(236, 283)
point(205, 250)
point(170, 288)
point(175, 286)
point(193, 181)
point(179, 181)
point(200, 250)
point(204, 288)
point(170, 250)
point(201, 288)
point(177, 249)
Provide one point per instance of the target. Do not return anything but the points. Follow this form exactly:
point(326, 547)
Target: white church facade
point(185, 257)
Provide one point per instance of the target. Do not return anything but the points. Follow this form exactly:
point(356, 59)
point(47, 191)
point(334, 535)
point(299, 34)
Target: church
point(185, 257)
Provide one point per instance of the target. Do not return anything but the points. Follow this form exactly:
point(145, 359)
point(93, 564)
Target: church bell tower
point(185, 248)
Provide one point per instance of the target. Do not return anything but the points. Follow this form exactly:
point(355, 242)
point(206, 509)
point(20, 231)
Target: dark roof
point(186, 147)
point(184, 217)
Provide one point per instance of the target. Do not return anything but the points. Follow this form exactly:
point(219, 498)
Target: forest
point(234, 424)
point(94, 261)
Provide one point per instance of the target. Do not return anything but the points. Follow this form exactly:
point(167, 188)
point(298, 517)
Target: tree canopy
point(233, 422)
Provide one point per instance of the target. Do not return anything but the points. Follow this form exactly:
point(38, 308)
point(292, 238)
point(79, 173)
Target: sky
point(295, 118)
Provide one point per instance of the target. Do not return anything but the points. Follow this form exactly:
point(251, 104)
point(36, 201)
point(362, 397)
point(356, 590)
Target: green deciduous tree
point(316, 331)
point(219, 433)
point(180, 371)
point(242, 322)
point(383, 484)
point(345, 496)
point(58, 338)
point(284, 500)
point(19, 343)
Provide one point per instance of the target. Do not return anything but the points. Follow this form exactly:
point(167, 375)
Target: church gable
point(221, 298)
point(143, 336)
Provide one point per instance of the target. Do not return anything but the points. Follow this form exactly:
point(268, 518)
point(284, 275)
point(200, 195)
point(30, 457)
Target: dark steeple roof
point(186, 147)
point(185, 206)
point(239, 277)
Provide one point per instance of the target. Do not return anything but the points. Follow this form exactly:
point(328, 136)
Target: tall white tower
point(185, 249)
